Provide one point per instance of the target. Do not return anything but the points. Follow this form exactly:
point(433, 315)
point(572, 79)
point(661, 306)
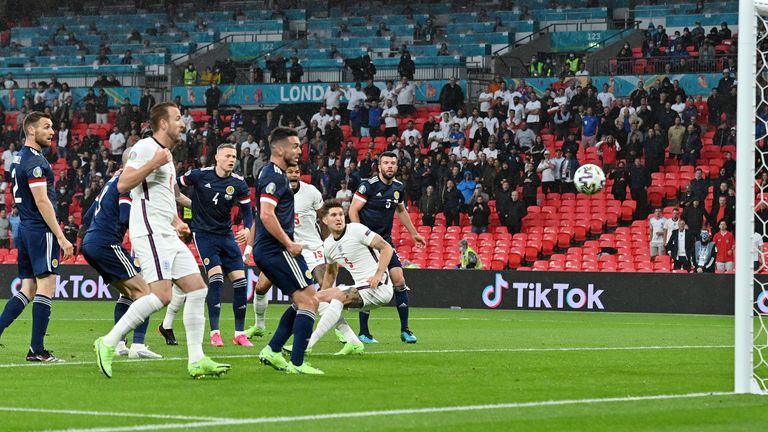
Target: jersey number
point(318, 254)
point(216, 199)
point(296, 219)
point(349, 263)
point(98, 201)
point(15, 186)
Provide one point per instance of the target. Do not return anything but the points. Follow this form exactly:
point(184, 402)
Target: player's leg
point(332, 304)
point(232, 266)
point(41, 316)
point(133, 288)
point(260, 302)
point(401, 301)
point(166, 327)
point(186, 275)
point(15, 306)
point(213, 300)
point(306, 303)
point(121, 307)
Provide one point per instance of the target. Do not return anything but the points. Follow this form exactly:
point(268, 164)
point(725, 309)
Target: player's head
point(226, 156)
point(165, 119)
point(285, 145)
point(294, 175)
point(333, 216)
point(39, 127)
point(388, 165)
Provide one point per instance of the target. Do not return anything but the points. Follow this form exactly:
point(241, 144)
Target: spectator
point(654, 151)
point(451, 202)
point(15, 221)
point(671, 223)
point(725, 83)
point(725, 244)
point(531, 184)
point(116, 144)
point(722, 211)
point(479, 215)
point(406, 97)
point(406, 68)
point(390, 115)
point(429, 205)
point(469, 258)
point(525, 137)
point(212, 98)
point(589, 129)
point(658, 232)
point(532, 112)
point(758, 257)
point(681, 247)
point(333, 96)
point(516, 213)
point(693, 215)
point(699, 185)
point(705, 252)
point(70, 231)
point(639, 180)
point(567, 170)
point(691, 146)
point(467, 188)
point(102, 107)
point(676, 136)
point(7, 157)
point(344, 195)
point(296, 70)
point(5, 230)
point(190, 75)
point(451, 96)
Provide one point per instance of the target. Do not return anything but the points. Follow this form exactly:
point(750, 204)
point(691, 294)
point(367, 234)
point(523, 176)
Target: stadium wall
point(565, 291)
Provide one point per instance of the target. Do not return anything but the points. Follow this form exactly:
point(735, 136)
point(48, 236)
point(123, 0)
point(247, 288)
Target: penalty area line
point(398, 352)
point(383, 413)
point(108, 414)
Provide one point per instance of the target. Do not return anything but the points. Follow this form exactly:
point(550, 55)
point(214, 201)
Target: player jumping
point(216, 190)
point(103, 249)
point(154, 229)
point(374, 205)
point(366, 256)
point(40, 236)
point(307, 200)
point(279, 256)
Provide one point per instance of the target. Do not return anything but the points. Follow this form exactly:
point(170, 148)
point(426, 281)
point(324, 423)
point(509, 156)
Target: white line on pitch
point(382, 413)
point(108, 414)
point(396, 352)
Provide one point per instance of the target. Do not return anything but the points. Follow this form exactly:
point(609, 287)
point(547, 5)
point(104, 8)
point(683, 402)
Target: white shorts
point(373, 297)
point(163, 258)
point(313, 258)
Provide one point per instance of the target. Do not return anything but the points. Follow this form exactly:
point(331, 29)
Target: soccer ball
point(589, 179)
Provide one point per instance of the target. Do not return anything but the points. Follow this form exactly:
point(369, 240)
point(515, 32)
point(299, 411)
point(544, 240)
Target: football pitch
point(478, 370)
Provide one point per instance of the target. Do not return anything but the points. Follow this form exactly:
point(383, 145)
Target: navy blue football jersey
point(273, 188)
point(380, 204)
point(213, 198)
point(110, 206)
point(30, 169)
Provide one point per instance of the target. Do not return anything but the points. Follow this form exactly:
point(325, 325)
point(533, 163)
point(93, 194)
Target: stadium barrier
point(565, 291)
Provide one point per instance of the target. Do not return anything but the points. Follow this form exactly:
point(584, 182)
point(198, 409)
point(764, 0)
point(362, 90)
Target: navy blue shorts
point(39, 253)
point(288, 273)
point(112, 261)
point(395, 261)
point(219, 250)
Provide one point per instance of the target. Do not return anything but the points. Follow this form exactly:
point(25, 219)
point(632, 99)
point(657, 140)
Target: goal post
point(746, 376)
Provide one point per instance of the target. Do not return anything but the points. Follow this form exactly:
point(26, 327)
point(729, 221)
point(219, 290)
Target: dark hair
point(33, 118)
point(279, 134)
point(159, 112)
point(387, 154)
point(330, 204)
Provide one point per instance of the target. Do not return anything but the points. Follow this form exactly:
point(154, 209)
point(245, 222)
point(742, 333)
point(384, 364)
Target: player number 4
point(216, 199)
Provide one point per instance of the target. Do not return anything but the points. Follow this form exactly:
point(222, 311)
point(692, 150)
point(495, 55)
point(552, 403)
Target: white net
point(760, 343)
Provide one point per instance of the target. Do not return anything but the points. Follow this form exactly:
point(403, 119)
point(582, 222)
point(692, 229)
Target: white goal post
point(748, 358)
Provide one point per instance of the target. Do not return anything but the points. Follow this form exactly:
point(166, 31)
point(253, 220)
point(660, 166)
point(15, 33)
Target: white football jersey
point(353, 251)
point(306, 202)
point(155, 197)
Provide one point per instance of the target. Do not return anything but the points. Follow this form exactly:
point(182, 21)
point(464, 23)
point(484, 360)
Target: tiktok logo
point(492, 293)
point(535, 295)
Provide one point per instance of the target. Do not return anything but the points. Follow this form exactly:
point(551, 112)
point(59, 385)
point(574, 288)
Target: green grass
point(464, 357)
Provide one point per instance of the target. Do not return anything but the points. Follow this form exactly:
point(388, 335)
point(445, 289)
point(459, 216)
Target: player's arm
point(180, 226)
point(44, 206)
point(182, 199)
point(245, 210)
point(331, 271)
point(125, 208)
point(405, 219)
point(272, 225)
point(137, 170)
point(250, 238)
point(385, 255)
point(358, 202)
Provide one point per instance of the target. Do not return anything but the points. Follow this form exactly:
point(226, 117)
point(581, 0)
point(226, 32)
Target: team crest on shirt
point(361, 189)
point(270, 189)
point(37, 172)
point(308, 274)
point(397, 195)
point(133, 155)
point(206, 261)
point(55, 262)
point(230, 190)
point(136, 262)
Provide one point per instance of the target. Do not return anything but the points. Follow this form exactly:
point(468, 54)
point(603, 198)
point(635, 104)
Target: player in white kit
point(307, 200)
point(164, 259)
point(366, 256)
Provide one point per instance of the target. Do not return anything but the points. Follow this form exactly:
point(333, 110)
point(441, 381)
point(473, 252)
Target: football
point(589, 179)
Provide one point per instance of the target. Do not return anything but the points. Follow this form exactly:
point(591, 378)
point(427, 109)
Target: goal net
point(751, 311)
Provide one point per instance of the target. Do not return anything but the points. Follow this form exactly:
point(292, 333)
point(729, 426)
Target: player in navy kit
point(103, 248)
point(40, 234)
point(374, 205)
point(215, 191)
point(279, 257)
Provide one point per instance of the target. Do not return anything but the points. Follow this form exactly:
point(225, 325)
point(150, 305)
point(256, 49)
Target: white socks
point(349, 335)
point(140, 310)
point(194, 323)
point(260, 307)
point(329, 316)
point(177, 300)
